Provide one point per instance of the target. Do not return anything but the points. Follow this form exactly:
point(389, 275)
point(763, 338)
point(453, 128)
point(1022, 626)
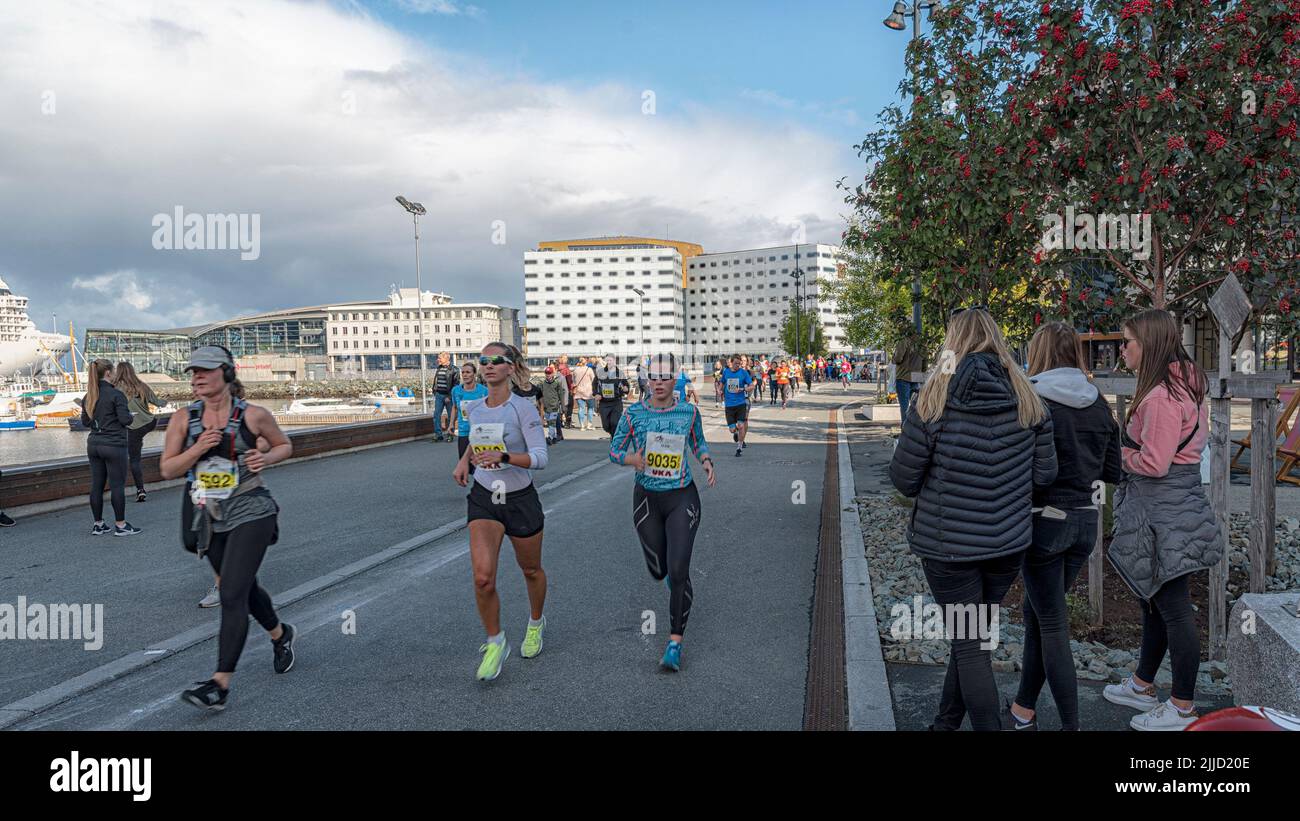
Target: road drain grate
point(825, 701)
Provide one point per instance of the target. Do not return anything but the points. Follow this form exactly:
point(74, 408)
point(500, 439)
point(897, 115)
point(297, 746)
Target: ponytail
point(97, 370)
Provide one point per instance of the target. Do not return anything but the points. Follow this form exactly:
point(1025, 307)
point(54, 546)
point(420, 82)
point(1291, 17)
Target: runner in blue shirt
point(469, 388)
point(684, 389)
point(736, 383)
point(653, 436)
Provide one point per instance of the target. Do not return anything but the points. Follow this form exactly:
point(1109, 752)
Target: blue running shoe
point(672, 659)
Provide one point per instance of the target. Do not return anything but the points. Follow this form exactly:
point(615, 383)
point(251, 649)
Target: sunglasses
point(956, 311)
point(660, 377)
point(495, 360)
point(1124, 342)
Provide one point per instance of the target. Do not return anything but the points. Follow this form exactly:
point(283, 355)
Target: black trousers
point(1169, 625)
point(609, 415)
point(235, 557)
point(1060, 550)
point(968, 686)
point(134, 444)
point(107, 462)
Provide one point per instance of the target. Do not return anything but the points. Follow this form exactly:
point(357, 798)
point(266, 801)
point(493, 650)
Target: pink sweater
point(1158, 425)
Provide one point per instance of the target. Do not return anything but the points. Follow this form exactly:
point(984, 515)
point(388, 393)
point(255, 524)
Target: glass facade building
point(165, 352)
point(282, 335)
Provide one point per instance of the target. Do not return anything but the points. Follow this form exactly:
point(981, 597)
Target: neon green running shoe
point(533, 641)
point(493, 656)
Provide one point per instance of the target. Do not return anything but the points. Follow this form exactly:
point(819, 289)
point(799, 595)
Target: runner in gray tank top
point(234, 517)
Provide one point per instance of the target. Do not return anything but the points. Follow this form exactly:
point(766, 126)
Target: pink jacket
point(1157, 426)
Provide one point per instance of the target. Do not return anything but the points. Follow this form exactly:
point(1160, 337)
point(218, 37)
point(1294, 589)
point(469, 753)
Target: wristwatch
point(505, 458)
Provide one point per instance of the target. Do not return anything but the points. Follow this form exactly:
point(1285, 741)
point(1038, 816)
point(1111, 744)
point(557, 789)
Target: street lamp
point(895, 22)
point(640, 334)
point(416, 210)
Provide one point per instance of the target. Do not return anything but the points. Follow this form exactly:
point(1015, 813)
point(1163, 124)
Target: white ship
point(21, 345)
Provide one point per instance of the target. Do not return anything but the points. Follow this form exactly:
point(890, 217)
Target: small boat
point(12, 423)
point(302, 407)
point(391, 399)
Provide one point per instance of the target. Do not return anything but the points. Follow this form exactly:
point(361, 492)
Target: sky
point(722, 123)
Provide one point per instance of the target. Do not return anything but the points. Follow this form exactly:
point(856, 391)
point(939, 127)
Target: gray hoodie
point(1069, 386)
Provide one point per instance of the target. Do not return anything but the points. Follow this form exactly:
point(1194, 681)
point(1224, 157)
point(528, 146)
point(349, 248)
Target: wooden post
point(1220, 422)
point(1270, 560)
point(1096, 564)
point(1262, 501)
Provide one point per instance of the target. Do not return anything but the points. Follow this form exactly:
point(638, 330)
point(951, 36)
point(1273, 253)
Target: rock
point(1091, 675)
point(1118, 658)
point(1100, 667)
point(1002, 666)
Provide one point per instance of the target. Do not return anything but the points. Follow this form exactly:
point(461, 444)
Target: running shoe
point(672, 659)
point(739, 449)
point(1013, 722)
point(126, 529)
point(207, 696)
point(100, 529)
point(1126, 694)
point(1165, 717)
point(212, 599)
point(532, 645)
point(494, 655)
point(735, 437)
point(5, 521)
point(744, 445)
point(284, 648)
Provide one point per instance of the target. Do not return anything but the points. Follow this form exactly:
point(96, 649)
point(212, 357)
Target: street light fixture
point(416, 210)
point(640, 334)
point(895, 22)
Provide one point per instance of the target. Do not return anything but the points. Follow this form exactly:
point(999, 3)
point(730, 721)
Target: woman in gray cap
point(235, 517)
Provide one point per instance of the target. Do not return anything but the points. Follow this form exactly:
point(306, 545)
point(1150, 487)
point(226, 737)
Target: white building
point(581, 297)
point(737, 301)
point(384, 336)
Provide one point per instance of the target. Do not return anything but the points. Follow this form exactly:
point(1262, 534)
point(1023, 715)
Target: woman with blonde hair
point(1065, 518)
point(974, 445)
point(104, 411)
point(1165, 529)
point(506, 444)
point(139, 398)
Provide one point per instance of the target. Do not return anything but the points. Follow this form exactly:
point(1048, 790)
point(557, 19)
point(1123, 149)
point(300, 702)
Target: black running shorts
point(520, 512)
point(737, 414)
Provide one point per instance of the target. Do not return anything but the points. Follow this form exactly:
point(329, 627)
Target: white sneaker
point(1125, 695)
point(212, 599)
point(1164, 717)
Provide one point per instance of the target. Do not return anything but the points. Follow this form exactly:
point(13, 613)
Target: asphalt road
point(411, 661)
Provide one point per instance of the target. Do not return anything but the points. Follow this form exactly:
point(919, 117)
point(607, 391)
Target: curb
point(870, 702)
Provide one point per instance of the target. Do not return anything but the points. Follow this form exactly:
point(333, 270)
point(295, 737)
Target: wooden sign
point(1230, 305)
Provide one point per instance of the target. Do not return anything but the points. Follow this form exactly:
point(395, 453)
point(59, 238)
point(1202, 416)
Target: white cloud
point(315, 118)
point(439, 7)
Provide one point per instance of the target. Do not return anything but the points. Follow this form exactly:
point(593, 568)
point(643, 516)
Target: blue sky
point(314, 114)
point(830, 64)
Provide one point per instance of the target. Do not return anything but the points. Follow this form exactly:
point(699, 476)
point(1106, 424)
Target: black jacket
point(112, 417)
point(973, 470)
point(444, 379)
point(1086, 435)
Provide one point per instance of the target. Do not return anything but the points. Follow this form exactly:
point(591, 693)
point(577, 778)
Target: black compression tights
point(236, 557)
point(666, 522)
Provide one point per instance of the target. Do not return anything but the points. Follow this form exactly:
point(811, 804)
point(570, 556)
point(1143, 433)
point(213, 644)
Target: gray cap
point(208, 357)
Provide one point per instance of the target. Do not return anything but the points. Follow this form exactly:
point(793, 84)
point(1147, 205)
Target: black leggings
point(609, 415)
point(665, 522)
point(107, 462)
point(1168, 625)
point(462, 443)
point(236, 556)
point(968, 685)
point(134, 444)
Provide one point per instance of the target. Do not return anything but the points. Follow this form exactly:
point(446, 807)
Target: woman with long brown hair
point(104, 411)
point(1165, 529)
point(1086, 437)
point(975, 444)
point(139, 398)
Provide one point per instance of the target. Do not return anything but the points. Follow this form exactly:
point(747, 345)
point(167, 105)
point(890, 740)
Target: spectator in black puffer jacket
point(1065, 517)
point(975, 443)
point(104, 411)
